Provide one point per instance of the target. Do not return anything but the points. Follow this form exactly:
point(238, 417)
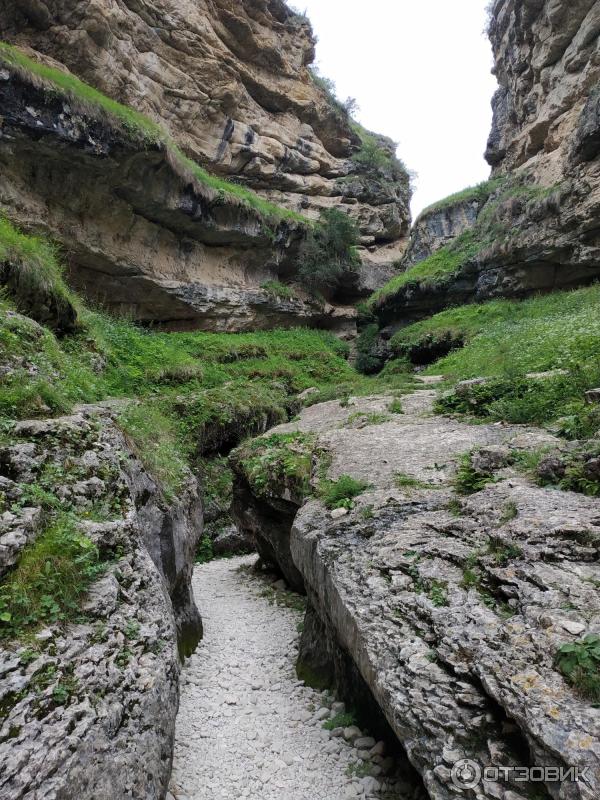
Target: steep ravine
point(247, 727)
point(450, 609)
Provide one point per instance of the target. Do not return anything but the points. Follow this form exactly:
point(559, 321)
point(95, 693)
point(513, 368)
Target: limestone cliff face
point(231, 83)
point(455, 645)
point(546, 62)
point(533, 227)
point(88, 709)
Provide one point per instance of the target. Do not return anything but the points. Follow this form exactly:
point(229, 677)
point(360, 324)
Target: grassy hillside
point(505, 341)
point(202, 392)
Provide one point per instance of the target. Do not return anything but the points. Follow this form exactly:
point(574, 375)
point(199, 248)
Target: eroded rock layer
point(452, 609)
point(88, 709)
point(230, 81)
point(143, 235)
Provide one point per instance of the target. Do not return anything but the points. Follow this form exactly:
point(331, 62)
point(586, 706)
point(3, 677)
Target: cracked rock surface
point(453, 608)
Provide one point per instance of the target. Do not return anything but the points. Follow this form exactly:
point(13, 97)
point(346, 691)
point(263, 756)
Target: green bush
point(369, 359)
point(204, 551)
point(328, 255)
point(579, 662)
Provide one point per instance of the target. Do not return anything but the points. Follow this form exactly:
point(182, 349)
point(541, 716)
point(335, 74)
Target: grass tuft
point(50, 580)
point(341, 493)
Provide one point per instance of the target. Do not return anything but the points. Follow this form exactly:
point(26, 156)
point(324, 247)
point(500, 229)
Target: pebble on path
point(247, 728)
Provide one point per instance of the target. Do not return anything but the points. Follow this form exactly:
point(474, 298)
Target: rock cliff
point(451, 609)
point(533, 227)
point(230, 83)
point(88, 709)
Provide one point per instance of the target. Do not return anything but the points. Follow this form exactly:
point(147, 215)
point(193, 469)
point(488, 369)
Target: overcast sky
point(420, 72)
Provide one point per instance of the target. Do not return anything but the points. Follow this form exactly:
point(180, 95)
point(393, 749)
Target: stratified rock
point(231, 83)
point(88, 710)
point(437, 227)
point(452, 612)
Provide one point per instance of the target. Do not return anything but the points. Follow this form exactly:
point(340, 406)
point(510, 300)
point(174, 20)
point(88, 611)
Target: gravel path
point(247, 728)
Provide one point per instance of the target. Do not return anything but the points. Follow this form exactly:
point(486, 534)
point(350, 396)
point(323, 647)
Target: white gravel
point(247, 728)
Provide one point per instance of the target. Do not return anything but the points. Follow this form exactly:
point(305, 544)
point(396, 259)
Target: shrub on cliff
point(31, 272)
point(328, 255)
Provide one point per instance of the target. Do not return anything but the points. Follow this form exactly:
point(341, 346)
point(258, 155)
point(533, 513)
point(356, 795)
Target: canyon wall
point(88, 708)
point(231, 84)
point(534, 226)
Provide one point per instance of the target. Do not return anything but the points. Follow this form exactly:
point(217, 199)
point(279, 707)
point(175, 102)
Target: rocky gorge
point(192, 226)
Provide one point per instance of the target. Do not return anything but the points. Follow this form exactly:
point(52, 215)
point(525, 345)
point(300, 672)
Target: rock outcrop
point(546, 62)
point(143, 235)
point(231, 84)
point(534, 228)
point(452, 609)
point(88, 708)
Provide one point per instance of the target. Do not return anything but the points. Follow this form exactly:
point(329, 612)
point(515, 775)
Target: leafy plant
point(204, 551)
point(395, 407)
point(579, 662)
point(468, 480)
point(438, 593)
point(341, 493)
point(50, 580)
point(328, 254)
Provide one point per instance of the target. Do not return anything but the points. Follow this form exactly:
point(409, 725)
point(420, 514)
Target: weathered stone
point(113, 734)
point(451, 662)
point(231, 85)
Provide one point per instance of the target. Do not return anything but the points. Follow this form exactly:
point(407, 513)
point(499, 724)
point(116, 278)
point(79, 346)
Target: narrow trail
point(247, 728)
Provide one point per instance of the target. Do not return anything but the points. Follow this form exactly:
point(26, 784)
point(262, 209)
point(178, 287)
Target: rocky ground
point(449, 588)
point(247, 727)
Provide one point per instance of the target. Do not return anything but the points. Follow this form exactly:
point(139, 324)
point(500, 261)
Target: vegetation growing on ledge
point(138, 127)
point(31, 271)
point(280, 290)
point(509, 340)
point(328, 255)
point(438, 268)
point(481, 193)
point(282, 461)
point(50, 580)
point(579, 662)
